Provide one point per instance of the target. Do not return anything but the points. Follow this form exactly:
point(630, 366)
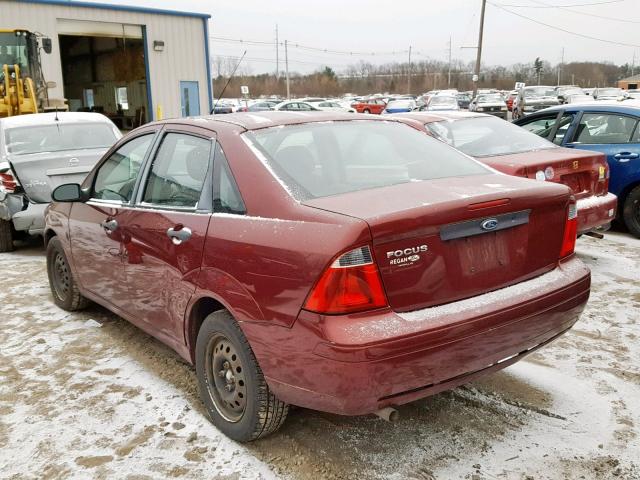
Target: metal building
point(133, 64)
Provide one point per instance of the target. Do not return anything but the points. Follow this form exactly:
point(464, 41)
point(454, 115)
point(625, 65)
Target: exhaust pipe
point(595, 235)
point(388, 414)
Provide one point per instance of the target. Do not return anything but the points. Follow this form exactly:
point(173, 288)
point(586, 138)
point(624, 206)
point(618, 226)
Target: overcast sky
point(425, 25)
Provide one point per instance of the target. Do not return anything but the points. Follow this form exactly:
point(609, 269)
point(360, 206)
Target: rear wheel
point(64, 288)
point(231, 383)
point(366, 110)
point(6, 236)
point(631, 211)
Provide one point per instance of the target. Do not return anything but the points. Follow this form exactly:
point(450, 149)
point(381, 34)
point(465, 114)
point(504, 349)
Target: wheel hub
point(227, 384)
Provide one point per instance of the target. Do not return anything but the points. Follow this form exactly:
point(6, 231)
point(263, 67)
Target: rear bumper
point(596, 212)
point(357, 364)
point(30, 220)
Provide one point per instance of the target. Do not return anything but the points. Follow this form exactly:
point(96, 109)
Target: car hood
point(541, 101)
point(491, 104)
point(40, 173)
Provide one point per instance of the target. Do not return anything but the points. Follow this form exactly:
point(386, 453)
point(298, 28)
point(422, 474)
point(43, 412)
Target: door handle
point(625, 156)
point(179, 235)
point(109, 225)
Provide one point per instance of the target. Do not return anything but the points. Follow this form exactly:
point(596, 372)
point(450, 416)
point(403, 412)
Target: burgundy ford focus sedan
point(339, 264)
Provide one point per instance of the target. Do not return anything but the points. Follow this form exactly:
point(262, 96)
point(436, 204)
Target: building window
point(88, 97)
point(121, 98)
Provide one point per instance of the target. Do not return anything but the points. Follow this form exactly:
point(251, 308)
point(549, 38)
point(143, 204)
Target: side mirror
point(68, 192)
point(46, 45)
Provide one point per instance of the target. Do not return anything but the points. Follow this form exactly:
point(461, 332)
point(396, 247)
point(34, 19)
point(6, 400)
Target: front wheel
point(631, 211)
point(367, 111)
point(64, 287)
point(231, 382)
point(6, 236)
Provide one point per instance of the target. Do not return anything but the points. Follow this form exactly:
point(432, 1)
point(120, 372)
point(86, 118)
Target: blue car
point(610, 128)
point(399, 106)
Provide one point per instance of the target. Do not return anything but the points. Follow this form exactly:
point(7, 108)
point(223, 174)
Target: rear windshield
point(59, 137)
point(444, 101)
point(495, 98)
point(487, 136)
point(321, 159)
point(539, 92)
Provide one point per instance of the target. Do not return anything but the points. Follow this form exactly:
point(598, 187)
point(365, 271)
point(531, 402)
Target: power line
point(566, 8)
point(612, 42)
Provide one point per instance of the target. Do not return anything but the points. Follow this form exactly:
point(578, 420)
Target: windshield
point(487, 136)
point(609, 91)
point(321, 159)
point(57, 138)
point(496, 98)
point(13, 50)
point(539, 92)
point(444, 101)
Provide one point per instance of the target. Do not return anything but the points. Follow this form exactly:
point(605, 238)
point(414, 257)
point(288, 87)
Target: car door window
point(178, 171)
point(563, 127)
point(116, 177)
point(541, 126)
point(604, 128)
point(636, 135)
point(226, 195)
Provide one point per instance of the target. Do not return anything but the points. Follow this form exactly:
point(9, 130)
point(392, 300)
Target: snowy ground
point(87, 395)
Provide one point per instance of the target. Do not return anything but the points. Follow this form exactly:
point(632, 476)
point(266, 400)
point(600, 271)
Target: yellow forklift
point(22, 85)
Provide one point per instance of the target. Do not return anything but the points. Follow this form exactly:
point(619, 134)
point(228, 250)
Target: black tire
point(631, 212)
point(6, 236)
point(64, 287)
point(261, 413)
point(366, 110)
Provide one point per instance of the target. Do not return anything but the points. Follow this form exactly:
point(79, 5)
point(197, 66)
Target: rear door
point(94, 226)
point(616, 135)
point(164, 232)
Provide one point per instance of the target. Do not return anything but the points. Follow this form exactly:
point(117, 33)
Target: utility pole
point(560, 67)
point(286, 64)
point(479, 52)
point(277, 56)
point(409, 73)
point(449, 80)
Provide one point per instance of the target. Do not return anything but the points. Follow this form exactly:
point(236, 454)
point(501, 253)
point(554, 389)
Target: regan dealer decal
point(406, 256)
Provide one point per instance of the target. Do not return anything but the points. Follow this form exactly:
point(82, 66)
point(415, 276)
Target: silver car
point(38, 153)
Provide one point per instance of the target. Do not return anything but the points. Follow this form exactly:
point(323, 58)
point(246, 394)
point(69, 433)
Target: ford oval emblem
point(489, 224)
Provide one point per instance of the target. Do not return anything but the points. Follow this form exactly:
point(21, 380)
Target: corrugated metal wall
point(183, 57)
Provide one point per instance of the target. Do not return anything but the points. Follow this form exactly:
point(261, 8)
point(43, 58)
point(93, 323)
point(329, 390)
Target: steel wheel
point(226, 378)
point(61, 277)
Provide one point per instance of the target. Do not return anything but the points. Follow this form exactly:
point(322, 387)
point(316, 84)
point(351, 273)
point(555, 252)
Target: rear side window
point(178, 172)
point(321, 159)
point(226, 196)
point(604, 128)
point(116, 177)
point(541, 126)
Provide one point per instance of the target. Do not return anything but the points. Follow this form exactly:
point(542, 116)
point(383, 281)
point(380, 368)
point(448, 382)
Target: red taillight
point(8, 182)
point(350, 284)
point(570, 232)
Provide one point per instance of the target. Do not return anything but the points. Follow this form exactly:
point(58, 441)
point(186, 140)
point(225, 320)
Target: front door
point(164, 233)
point(190, 98)
point(95, 228)
point(615, 135)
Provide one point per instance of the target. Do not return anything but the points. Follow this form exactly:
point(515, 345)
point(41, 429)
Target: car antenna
point(230, 77)
point(56, 118)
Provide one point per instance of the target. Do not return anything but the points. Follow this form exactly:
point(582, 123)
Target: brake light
point(350, 284)
point(570, 231)
point(8, 182)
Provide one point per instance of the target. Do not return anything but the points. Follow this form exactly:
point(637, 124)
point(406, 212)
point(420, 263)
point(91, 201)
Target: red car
point(339, 264)
point(370, 105)
point(515, 151)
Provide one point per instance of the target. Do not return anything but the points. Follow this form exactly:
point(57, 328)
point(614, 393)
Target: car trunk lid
point(582, 171)
point(430, 244)
point(40, 173)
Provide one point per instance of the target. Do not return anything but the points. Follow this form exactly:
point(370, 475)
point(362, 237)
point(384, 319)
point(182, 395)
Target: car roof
point(631, 107)
point(267, 119)
point(428, 117)
point(50, 117)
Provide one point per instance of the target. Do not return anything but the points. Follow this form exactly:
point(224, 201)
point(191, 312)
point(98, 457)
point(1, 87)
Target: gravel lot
point(86, 395)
